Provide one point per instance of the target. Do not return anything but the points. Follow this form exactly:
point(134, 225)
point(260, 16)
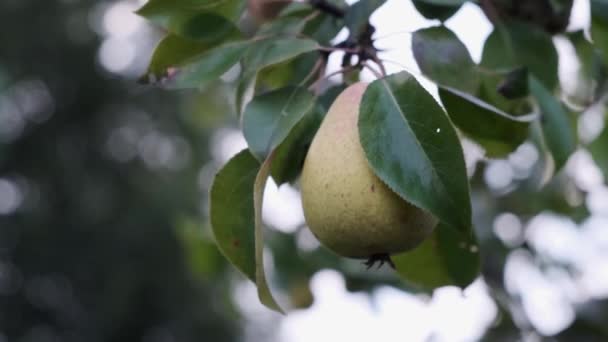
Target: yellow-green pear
point(346, 206)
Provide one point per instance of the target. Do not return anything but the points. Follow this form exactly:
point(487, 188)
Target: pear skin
point(346, 206)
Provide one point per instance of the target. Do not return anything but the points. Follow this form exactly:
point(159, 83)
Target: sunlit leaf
point(556, 125)
point(232, 211)
point(447, 257)
point(412, 146)
point(264, 292)
point(269, 118)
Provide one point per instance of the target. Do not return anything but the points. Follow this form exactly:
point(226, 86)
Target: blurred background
point(104, 234)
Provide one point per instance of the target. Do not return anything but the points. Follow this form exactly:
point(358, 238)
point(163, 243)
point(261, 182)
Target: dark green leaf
point(599, 151)
point(209, 66)
point(447, 257)
point(232, 214)
point(205, 27)
point(434, 11)
point(515, 84)
point(264, 292)
point(290, 155)
point(496, 131)
point(357, 16)
point(265, 53)
point(273, 51)
point(164, 12)
point(269, 118)
point(520, 45)
point(599, 28)
point(412, 146)
point(445, 59)
point(172, 51)
point(556, 125)
point(493, 83)
point(283, 25)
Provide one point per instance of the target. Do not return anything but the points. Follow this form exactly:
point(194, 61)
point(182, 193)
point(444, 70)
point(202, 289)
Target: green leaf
point(205, 27)
point(210, 66)
point(164, 12)
point(194, 37)
point(265, 53)
point(496, 131)
point(290, 155)
point(357, 16)
point(264, 292)
point(599, 150)
point(599, 27)
point(172, 51)
point(269, 118)
point(434, 11)
point(412, 146)
point(556, 125)
point(232, 214)
point(515, 84)
point(447, 257)
point(518, 45)
point(445, 59)
point(273, 51)
point(592, 74)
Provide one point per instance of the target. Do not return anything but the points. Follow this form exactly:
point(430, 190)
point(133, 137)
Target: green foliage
point(512, 96)
point(557, 126)
point(496, 131)
point(264, 130)
point(232, 213)
point(448, 257)
point(412, 147)
point(435, 11)
point(443, 58)
point(517, 44)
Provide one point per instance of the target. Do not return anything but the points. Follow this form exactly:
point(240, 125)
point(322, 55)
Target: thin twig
point(374, 71)
point(334, 48)
point(388, 35)
point(380, 64)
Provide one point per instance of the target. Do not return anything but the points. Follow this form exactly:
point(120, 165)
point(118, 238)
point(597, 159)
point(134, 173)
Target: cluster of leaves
point(511, 96)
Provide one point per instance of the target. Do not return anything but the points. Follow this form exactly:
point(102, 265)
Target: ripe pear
point(265, 10)
point(346, 206)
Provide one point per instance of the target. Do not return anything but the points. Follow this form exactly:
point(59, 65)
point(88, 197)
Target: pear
point(346, 206)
